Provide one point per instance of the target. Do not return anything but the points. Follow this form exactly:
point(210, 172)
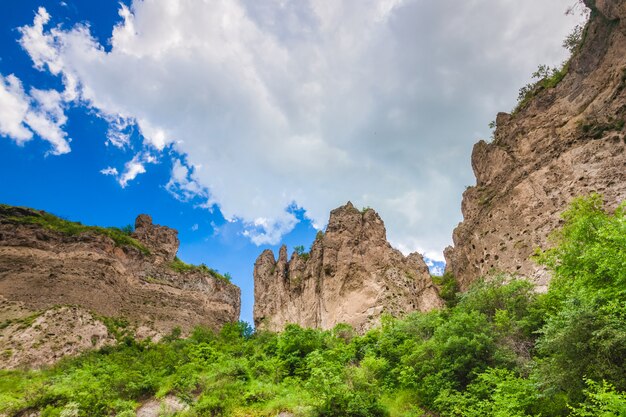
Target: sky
point(242, 123)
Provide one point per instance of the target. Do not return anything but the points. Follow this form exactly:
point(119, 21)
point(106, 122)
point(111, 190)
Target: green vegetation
point(128, 229)
point(547, 77)
point(499, 349)
point(574, 40)
point(23, 322)
point(121, 237)
point(119, 327)
point(299, 250)
point(485, 195)
point(448, 288)
point(596, 129)
point(182, 267)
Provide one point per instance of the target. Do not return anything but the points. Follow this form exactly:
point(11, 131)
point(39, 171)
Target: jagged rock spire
point(351, 275)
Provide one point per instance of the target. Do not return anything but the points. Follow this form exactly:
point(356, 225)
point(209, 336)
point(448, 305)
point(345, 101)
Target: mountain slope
point(564, 141)
point(46, 262)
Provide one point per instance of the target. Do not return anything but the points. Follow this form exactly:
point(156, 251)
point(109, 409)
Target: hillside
point(566, 138)
point(62, 283)
point(500, 349)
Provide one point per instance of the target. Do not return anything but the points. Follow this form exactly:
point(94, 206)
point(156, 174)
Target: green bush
point(601, 400)
point(181, 267)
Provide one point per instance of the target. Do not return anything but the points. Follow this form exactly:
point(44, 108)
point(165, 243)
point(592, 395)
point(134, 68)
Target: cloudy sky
point(244, 122)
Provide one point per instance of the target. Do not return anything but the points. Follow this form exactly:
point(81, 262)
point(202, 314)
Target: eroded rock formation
point(351, 275)
point(42, 268)
point(566, 141)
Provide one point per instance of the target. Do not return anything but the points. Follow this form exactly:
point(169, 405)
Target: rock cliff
point(351, 275)
point(98, 273)
point(565, 141)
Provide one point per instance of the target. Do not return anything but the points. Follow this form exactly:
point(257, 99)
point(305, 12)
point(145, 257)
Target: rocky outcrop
point(566, 141)
point(47, 262)
point(41, 339)
point(160, 240)
point(351, 275)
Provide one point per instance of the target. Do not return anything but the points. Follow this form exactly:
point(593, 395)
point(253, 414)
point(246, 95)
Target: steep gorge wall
point(351, 275)
point(42, 269)
point(567, 141)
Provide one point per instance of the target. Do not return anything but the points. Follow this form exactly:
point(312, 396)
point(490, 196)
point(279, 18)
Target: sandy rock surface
point(41, 269)
point(351, 275)
point(568, 141)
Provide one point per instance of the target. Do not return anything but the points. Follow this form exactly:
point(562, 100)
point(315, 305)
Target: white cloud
point(263, 231)
point(40, 112)
point(40, 47)
point(315, 102)
point(47, 119)
point(118, 133)
point(195, 227)
point(109, 171)
point(14, 106)
point(132, 168)
point(182, 184)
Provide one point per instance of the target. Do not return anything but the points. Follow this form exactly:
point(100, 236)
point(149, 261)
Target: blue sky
point(245, 110)
point(72, 186)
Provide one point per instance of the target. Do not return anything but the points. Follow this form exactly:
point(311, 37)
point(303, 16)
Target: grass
point(119, 327)
point(182, 267)
point(596, 130)
point(153, 280)
point(23, 322)
point(485, 195)
point(52, 222)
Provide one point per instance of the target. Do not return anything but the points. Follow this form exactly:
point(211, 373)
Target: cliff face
point(351, 275)
point(567, 141)
point(46, 262)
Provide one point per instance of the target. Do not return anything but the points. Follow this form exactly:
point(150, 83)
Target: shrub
point(600, 400)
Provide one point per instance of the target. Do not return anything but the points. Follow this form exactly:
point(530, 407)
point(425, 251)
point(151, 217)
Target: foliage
point(601, 400)
point(299, 250)
point(121, 237)
point(574, 39)
point(128, 229)
point(585, 330)
point(596, 130)
point(182, 267)
point(448, 288)
point(495, 392)
point(499, 350)
point(547, 77)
